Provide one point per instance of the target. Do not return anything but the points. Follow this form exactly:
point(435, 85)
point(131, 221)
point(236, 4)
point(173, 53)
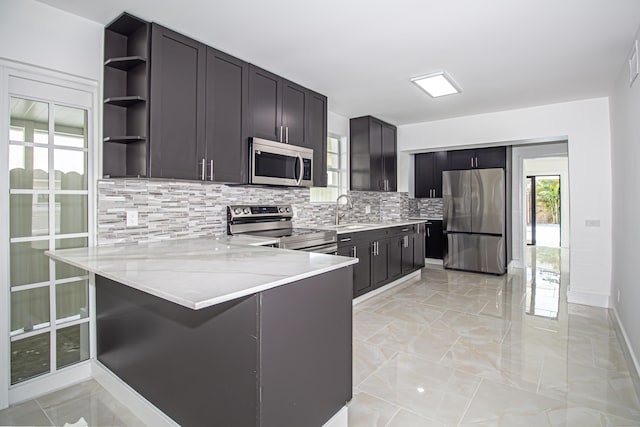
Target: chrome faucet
point(349, 204)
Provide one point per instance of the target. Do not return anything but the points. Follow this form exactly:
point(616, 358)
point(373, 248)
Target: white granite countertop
point(427, 218)
point(201, 272)
point(357, 227)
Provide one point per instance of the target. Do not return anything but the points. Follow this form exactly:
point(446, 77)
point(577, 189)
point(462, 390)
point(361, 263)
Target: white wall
point(585, 125)
point(41, 35)
point(337, 124)
point(625, 150)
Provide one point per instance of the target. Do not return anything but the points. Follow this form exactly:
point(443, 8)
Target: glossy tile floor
point(87, 400)
point(451, 349)
point(465, 349)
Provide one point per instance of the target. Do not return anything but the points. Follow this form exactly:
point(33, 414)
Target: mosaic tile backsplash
point(174, 209)
point(426, 208)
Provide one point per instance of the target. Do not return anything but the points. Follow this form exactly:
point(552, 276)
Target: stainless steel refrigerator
point(474, 220)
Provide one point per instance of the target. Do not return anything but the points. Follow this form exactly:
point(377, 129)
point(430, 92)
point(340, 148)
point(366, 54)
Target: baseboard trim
point(50, 383)
point(434, 262)
point(362, 298)
point(340, 419)
point(627, 349)
point(588, 298)
point(127, 396)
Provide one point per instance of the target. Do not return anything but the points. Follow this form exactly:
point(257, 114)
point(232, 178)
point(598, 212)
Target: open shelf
point(126, 91)
point(124, 63)
point(124, 101)
point(126, 139)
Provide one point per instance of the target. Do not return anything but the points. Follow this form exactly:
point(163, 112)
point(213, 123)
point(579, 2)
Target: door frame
point(534, 212)
point(10, 69)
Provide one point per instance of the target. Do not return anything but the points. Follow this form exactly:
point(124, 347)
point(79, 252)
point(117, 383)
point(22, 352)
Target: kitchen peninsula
point(213, 331)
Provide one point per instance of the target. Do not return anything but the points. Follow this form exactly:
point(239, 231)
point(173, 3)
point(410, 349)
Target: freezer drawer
point(473, 252)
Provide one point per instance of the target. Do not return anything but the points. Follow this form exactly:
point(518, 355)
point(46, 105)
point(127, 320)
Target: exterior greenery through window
point(337, 172)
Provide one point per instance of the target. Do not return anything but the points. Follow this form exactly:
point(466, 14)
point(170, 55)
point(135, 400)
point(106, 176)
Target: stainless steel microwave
point(277, 163)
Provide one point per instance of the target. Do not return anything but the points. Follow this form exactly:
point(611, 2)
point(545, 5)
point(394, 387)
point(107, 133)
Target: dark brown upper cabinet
point(177, 124)
point(265, 104)
point(278, 108)
point(317, 137)
point(428, 174)
point(226, 151)
point(481, 158)
point(373, 154)
point(176, 108)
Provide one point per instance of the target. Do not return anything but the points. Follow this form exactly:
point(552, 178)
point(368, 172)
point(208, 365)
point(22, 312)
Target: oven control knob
point(237, 211)
point(288, 209)
point(280, 210)
point(246, 211)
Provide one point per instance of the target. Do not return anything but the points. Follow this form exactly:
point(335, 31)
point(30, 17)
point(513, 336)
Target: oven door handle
point(300, 169)
point(330, 248)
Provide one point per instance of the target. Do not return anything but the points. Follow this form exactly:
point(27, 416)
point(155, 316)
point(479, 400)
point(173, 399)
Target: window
point(337, 171)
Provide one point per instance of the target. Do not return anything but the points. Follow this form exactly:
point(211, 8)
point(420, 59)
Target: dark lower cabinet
point(407, 249)
point(362, 270)
point(305, 350)
point(281, 357)
point(226, 148)
point(380, 263)
point(177, 108)
point(434, 239)
point(384, 255)
point(419, 245)
point(395, 256)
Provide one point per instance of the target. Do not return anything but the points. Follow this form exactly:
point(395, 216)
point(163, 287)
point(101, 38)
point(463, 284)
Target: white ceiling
point(361, 53)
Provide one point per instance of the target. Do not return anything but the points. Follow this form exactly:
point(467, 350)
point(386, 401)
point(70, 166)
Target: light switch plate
point(592, 223)
point(132, 218)
point(367, 209)
point(295, 212)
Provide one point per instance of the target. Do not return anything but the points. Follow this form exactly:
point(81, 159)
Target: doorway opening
point(543, 201)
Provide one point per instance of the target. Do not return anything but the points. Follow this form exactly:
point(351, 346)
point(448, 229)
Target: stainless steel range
point(275, 221)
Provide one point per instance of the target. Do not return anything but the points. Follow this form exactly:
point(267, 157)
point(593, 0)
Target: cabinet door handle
point(286, 130)
point(405, 229)
point(348, 239)
point(377, 248)
point(476, 162)
point(355, 252)
point(280, 133)
point(472, 162)
point(204, 170)
point(428, 232)
point(211, 170)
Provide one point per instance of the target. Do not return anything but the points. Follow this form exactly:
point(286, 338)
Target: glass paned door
point(48, 209)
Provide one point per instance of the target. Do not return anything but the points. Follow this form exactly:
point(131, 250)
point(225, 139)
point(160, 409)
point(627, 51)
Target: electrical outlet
point(295, 212)
point(618, 296)
point(367, 209)
point(132, 218)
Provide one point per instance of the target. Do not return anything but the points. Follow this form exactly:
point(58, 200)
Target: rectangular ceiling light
point(437, 84)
